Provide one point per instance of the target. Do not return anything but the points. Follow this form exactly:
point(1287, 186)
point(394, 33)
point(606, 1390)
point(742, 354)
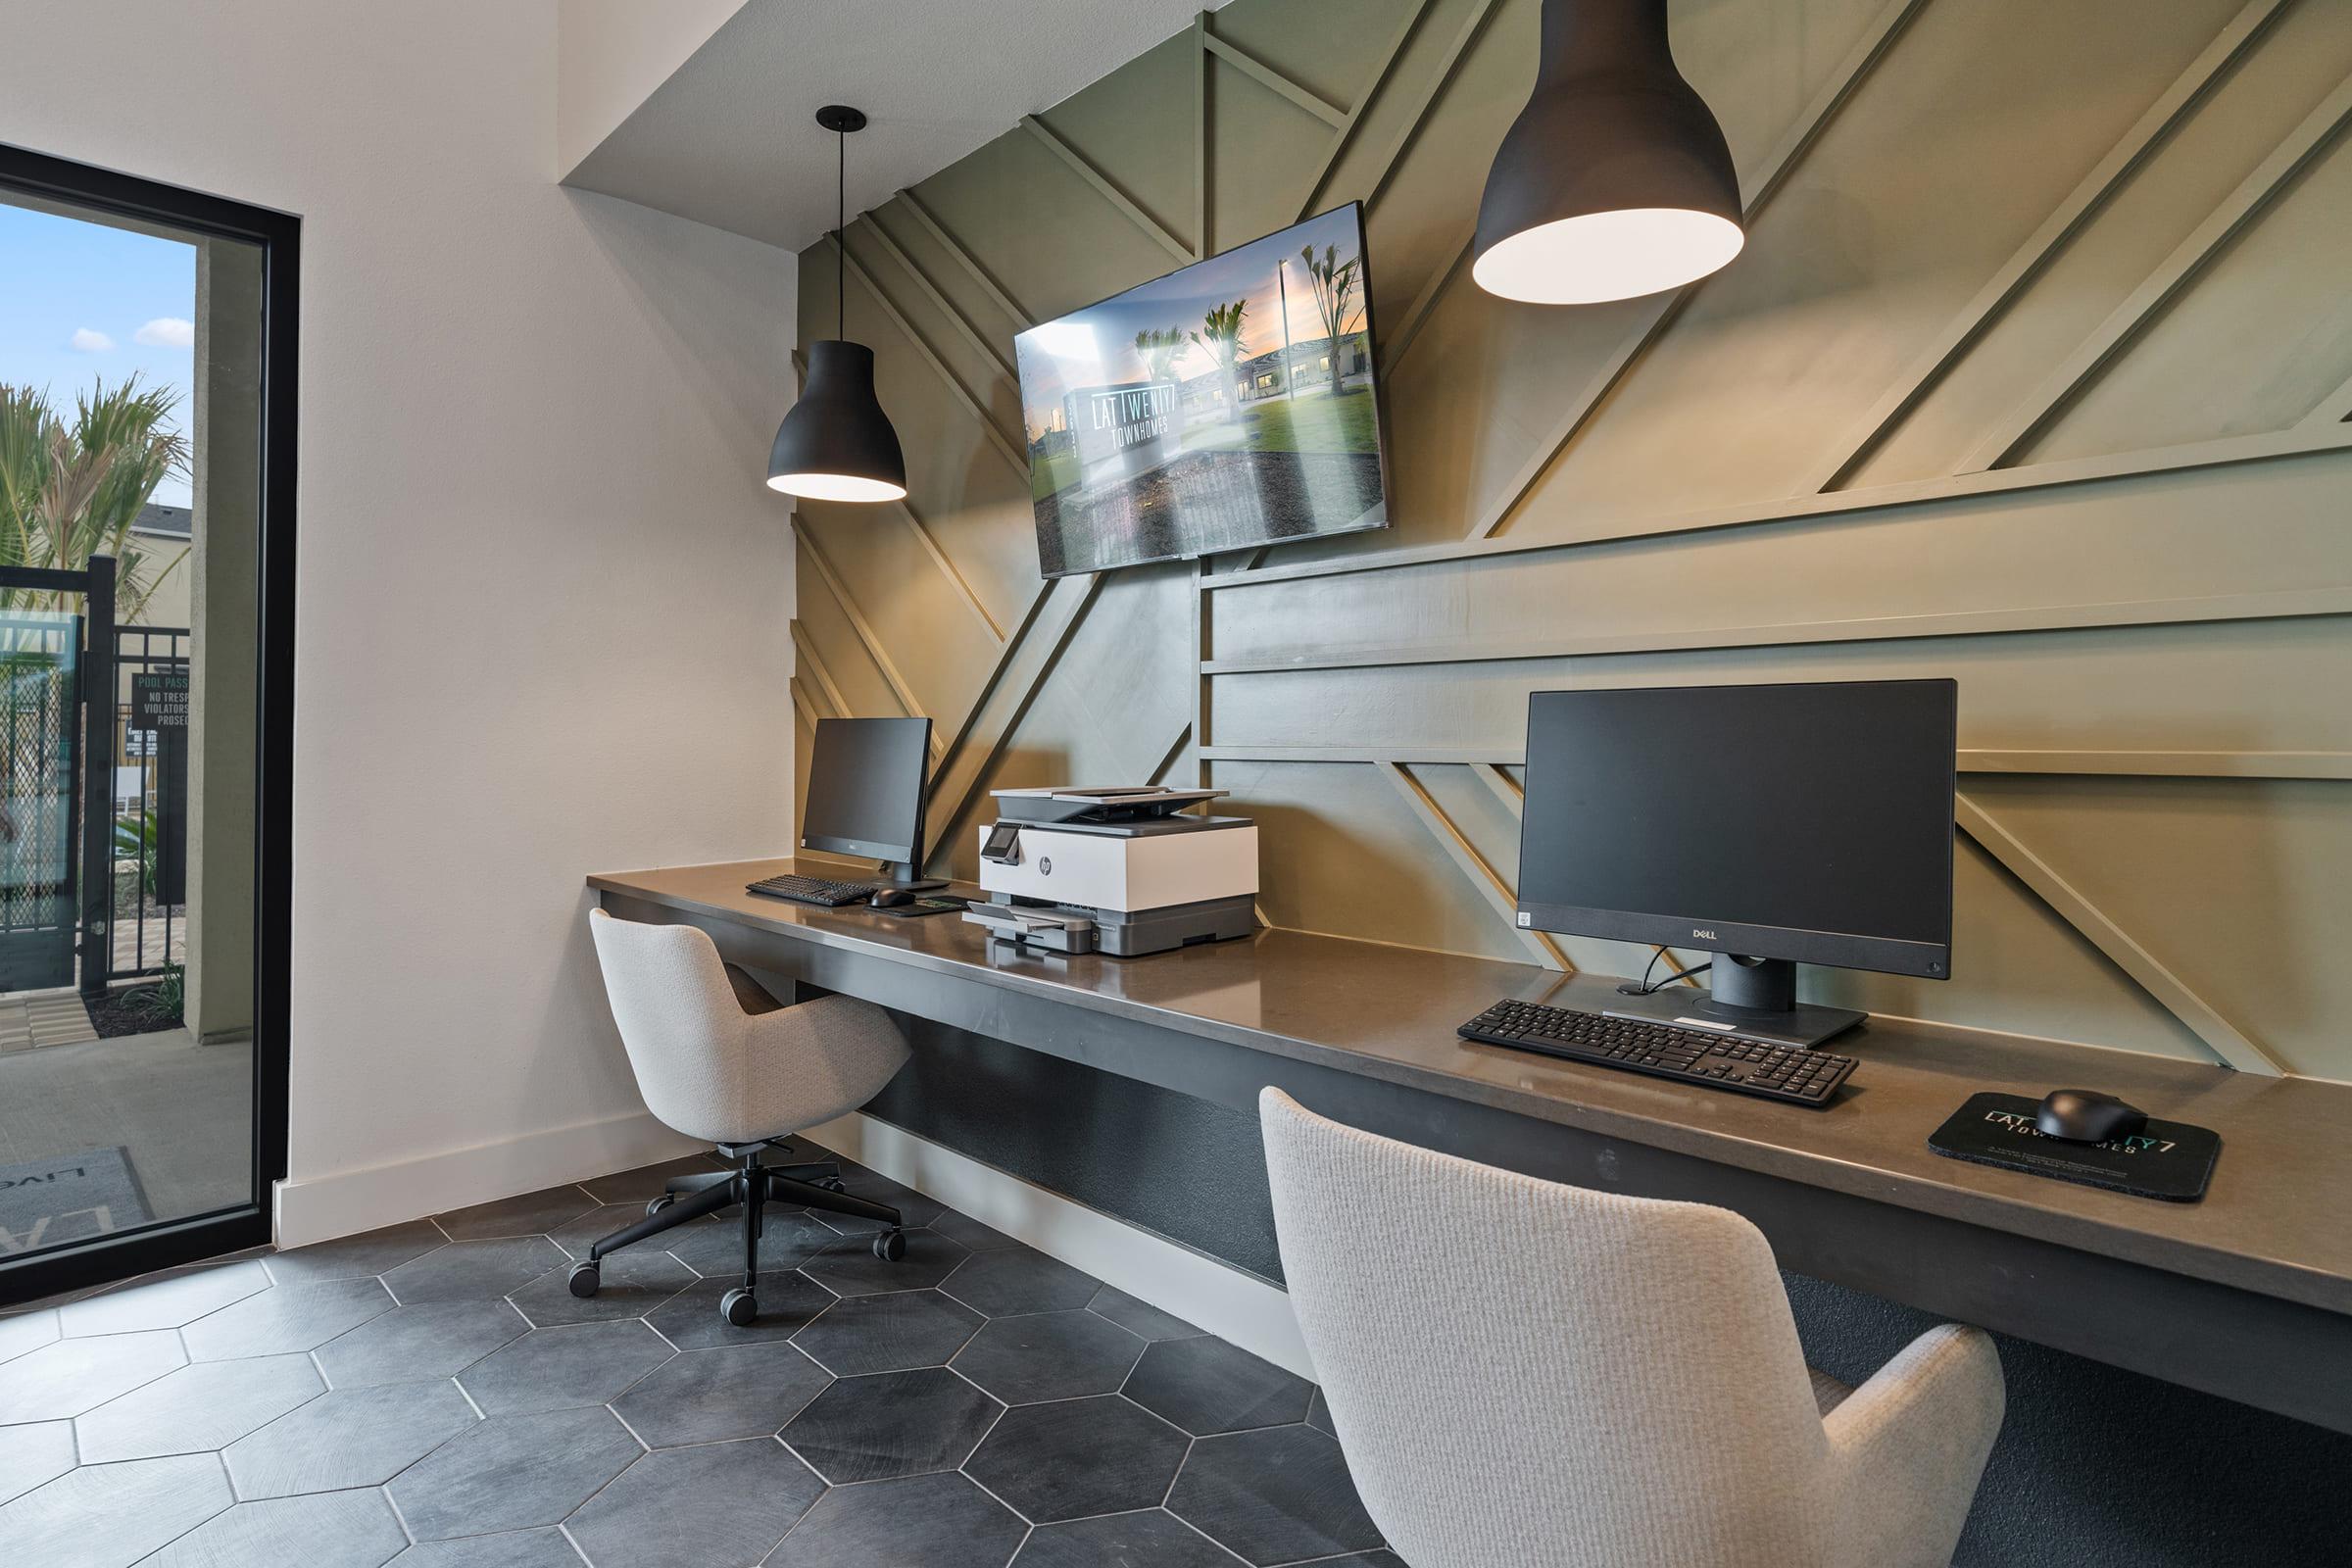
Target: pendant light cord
point(841, 232)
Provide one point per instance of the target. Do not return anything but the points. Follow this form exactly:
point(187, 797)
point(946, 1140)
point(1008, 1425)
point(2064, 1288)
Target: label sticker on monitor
point(1526, 918)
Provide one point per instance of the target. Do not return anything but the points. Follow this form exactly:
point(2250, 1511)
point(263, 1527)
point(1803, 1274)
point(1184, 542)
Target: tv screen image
point(1228, 404)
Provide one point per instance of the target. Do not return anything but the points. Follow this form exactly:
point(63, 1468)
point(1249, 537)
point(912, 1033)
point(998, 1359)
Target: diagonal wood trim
point(2333, 409)
point(965, 771)
point(1363, 101)
point(2133, 764)
point(1655, 315)
point(948, 569)
point(922, 345)
point(2058, 390)
point(1005, 656)
point(964, 258)
point(1432, 90)
point(1201, 175)
point(1105, 189)
point(2223, 1038)
point(939, 301)
point(1472, 864)
point(1417, 314)
point(867, 635)
point(2271, 604)
point(815, 666)
point(802, 701)
point(1269, 77)
point(2113, 467)
point(2071, 215)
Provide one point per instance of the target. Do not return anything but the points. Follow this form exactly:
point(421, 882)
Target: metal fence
point(150, 930)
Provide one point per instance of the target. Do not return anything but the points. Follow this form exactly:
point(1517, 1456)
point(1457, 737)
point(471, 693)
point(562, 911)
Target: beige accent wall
point(2033, 372)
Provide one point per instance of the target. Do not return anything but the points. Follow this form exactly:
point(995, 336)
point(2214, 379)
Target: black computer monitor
point(865, 793)
point(1765, 825)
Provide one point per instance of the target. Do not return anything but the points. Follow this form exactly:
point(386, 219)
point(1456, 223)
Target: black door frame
point(279, 238)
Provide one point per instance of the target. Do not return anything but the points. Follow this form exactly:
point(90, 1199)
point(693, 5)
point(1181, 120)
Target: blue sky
point(81, 301)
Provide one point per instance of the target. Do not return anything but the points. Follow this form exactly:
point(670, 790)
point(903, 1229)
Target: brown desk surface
point(2277, 1219)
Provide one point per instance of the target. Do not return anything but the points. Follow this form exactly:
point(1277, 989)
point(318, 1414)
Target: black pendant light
point(1615, 179)
point(837, 444)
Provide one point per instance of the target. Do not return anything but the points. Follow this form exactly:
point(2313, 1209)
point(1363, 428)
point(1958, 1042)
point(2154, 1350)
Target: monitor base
point(905, 878)
point(1753, 999)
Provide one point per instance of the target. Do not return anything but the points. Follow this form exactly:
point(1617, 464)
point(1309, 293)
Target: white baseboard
point(1234, 1306)
point(319, 1209)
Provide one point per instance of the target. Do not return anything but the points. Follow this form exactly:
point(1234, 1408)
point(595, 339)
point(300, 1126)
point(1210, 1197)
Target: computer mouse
point(889, 899)
point(2086, 1116)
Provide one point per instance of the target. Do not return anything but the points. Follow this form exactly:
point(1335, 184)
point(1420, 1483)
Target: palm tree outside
point(70, 491)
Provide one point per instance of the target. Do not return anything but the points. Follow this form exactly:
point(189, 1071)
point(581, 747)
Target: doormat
point(71, 1198)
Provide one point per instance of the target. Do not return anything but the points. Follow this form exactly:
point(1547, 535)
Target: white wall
point(543, 593)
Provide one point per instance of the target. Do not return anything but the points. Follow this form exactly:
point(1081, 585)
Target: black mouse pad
point(2167, 1159)
point(925, 904)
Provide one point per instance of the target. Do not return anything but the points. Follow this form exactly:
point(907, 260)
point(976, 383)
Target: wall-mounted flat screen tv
point(1226, 405)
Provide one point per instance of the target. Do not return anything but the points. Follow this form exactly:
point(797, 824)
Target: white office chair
point(741, 1081)
point(1527, 1375)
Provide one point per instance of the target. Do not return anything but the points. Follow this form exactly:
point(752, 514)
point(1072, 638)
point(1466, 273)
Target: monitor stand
point(906, 877)
point(1753, 999)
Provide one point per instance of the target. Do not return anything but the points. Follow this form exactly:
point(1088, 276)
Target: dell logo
point(1702, 934)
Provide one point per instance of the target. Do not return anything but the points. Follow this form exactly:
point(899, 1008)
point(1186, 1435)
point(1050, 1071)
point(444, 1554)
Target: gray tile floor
point(433, 1396)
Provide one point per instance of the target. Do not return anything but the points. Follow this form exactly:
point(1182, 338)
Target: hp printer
point(1124, 871)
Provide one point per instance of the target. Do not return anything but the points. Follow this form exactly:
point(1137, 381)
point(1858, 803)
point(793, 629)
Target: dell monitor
point(1766, 825)
point(866, 793)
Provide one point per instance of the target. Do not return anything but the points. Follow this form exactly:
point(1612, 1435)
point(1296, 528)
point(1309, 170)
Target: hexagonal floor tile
point(410, 1343)
point(513, 1472)
point(1152, 1537)
point(112, 1515)
point(525, 1214)
point(337, 1530)
point(714, 1248)
point(788, 1302)
point(700, 1507)
point(554, 1369)
point(594, 1226)
point(163, 1304)
point(890, 1424)
point(974, 1236)
point(1019, 1279)
point(347, 1438)
point(1048, 1356)
point(631, 1284)
point(851, 1268)
point(68, 1377)
point(473, 1271)
point(285, 1319)
point(350, 1257)
point(940, 1521)
point(736, 1391)
point(1140, 1317)
point(34, 1455)
point(1206, 1386)
point(892, 1332)
point(197, 1409)
point(641, 1185)
point(1079, 1457)
point(514, 1549)
point(1273, 1497)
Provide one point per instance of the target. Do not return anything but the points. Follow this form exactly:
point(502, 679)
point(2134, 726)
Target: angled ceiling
point(729, 138)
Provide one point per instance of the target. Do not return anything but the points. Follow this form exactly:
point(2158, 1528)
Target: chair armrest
point(1912, 1442)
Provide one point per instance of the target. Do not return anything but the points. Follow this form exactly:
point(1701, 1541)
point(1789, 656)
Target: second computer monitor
point(1763, 826)
point(865, 791)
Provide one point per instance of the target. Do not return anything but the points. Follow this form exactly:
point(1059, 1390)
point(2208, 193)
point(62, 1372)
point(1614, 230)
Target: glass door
point(146, 436)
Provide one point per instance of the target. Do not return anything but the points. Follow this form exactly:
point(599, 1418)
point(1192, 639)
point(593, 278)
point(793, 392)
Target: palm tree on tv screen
point(1159, 348)
point(1220, 338)
point(1335, 284)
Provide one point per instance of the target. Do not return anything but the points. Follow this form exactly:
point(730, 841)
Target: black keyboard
point(811, 890)
point(1691, 1055)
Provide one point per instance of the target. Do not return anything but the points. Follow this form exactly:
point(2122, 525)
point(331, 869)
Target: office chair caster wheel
point(738, 1308)
point(584, 1280)
point(659, 1203)
point(889, 1246)
point(832, 1184)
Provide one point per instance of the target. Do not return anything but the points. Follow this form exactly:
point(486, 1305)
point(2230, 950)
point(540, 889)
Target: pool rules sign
point(158, 705)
